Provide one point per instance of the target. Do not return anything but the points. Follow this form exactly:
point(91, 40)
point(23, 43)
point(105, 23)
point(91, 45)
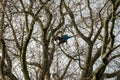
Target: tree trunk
point(99, 72)
point(47, 75)
point(88, 67)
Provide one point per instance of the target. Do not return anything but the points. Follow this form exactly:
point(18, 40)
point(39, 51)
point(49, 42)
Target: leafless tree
point(28, 29)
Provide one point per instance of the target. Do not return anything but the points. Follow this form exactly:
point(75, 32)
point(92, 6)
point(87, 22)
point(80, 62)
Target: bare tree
point(108, 38)
point(28, 29)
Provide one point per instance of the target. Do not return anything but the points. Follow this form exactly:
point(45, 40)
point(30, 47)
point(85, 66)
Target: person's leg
point(57, 38)
point(61, 41)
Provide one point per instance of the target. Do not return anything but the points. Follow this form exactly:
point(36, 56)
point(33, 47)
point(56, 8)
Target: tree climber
point(63, 39)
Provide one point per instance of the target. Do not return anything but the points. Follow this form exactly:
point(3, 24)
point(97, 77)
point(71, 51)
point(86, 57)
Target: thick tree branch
point(24, 48)
point(75, 25)
point(13, 31)
point(91, 17)
point(62, 76)
point(111, 75)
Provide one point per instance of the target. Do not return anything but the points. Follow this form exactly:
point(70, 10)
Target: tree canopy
point(29, 51)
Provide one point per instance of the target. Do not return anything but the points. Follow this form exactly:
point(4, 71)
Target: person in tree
point(63, 39)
